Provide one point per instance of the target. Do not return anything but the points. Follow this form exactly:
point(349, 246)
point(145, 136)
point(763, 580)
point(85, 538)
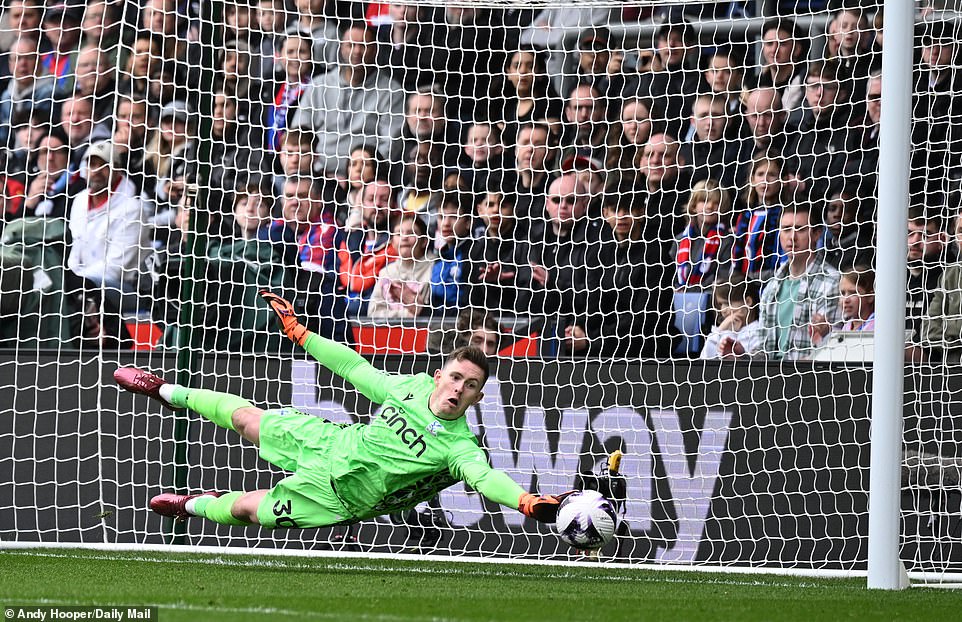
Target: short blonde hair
point(710, 190)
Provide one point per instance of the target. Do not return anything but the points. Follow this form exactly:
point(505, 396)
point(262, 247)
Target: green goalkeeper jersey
point(405, 455)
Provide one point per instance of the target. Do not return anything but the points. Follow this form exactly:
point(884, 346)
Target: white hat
point(105, 151)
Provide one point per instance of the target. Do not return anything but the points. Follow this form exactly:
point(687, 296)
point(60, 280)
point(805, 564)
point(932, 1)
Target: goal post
point(669, 227)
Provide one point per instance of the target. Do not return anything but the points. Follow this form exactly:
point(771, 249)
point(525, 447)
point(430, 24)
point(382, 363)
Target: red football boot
point(169, 504)
point(140, 381)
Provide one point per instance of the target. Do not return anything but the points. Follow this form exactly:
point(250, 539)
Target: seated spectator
point(712, 153)
point(636, 129)
point(22, 19)
point(298, 67)
point(403, 288)
point(698, 245)
point(942, 323)
point(529, 96)
point(848, 239)
point(28, 90)
point(626, 300)
point(857, 297)
point(755, 250)
point(482, 161)
point(425, 120)
point(766, 120)
point(51, 187)
point(863, 162)
point(253, 204)
point(363, 252)
point(423, 179)
point(174, 140)
point(140, 66)
point(782, 61)
point(535, 156)
point(130, 133)
point(318, 18)
point(453, 244)
point(499, 274)
point(736, 317)
point(799, 302)
point(724, 78)
point(305, 235)
point(412, 29)
point(669, 82)
point(852, 42)
point(365, 166)
point(586, 130)
point(667, 184)
point(95, 78)
point(272, 24)
point(929, 252)
point(109, 236)
point(62, 26)
point(823, 139)
point(481, 330)
point(356, 99)
point(297, 156)
point(598, 66)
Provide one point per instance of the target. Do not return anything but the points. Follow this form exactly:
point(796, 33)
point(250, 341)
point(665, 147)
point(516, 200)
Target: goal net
point(657, 219)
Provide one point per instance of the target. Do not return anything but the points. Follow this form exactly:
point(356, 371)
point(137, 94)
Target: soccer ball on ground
point(586, 520)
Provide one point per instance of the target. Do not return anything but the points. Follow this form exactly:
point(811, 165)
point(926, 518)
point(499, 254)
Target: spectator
point(51, 187)
point(423, 178)
point(362, 253)
point(452, 243)
point(942, 324)
point(534, 156)
point(736, 313)
point(598, 66)
point(853, 50)
point(168, 22)
point(755, 250)
point(305, 235)
point(77, 122)
point(253, 205)
point(298, 67)
point(848, 239)
point(669, 82)
point(130, 134)
point(107, 227)
point(482, 162)
point(174, 141)
point(240, 33)
point(586, 130)
point(667, 186)
point(473, 39)
point(364, 167)
point(61, 24)
point(636, 129)
point(724, 78)
point(413, 29)
point(102, 23)
point(235, 151)
point(499, 274)
point(403, 288)
point(712, 153)
point(782, 67)
point(823, 141)
point(28, 90)
point(799, 303)
point(929, 252)
point(374, 103)
point(481, 331)
point(627, 302)
point(272, 24)
point(863, 163)
point(22, 19)
point(857, 299)
point(529, 95)
point(95, 78)
point(766, 120)
point(319, 19)
point(698, 245)
point(425, 120)
point(141, 65)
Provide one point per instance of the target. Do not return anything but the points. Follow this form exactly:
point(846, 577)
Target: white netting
point(598, 193)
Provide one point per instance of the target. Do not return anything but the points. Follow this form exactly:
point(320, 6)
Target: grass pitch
point(237, 588)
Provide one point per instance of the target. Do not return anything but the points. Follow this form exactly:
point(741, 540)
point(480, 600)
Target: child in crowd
point(698, 245)
point(403, 287)
point(452, 243)
point(755, 250)
point(253, 204)
point(296, 156)
point(736, 309)
point(483, 153)
point(856, 289)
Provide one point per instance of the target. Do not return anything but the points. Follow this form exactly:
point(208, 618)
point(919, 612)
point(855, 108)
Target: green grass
point(235, 588)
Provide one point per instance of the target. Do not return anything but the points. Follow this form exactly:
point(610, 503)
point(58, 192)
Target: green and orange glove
point(544, 509)
point(294, 330)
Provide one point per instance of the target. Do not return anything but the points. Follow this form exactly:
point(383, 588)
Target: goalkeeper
point(417, 445)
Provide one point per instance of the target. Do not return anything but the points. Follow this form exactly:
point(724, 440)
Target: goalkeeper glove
point(544, 509)
point(294, 330)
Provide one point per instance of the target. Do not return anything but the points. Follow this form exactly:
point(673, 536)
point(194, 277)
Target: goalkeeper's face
point(457, 386)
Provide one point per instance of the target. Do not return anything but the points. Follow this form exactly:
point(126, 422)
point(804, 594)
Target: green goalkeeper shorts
point(300, 443)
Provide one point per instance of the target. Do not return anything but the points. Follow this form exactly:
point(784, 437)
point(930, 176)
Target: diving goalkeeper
point(417, 445)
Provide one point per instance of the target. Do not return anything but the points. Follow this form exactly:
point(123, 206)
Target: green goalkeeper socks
point(218, 509)
point(218, 407)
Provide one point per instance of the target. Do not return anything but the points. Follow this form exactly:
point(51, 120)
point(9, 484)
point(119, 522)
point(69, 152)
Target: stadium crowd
point(697, 196)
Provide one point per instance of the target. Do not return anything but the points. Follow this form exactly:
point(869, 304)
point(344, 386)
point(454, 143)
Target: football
point(586, 520)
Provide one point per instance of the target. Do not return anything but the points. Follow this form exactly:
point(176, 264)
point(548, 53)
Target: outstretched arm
point(473, 468)
point(337, 357)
